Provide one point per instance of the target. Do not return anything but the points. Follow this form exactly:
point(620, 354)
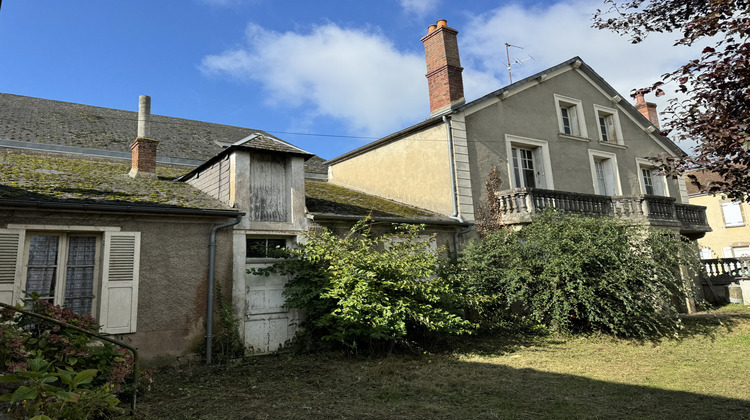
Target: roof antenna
point(515, 61)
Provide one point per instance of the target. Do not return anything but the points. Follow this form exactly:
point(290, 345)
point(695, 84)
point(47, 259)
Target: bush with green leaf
point(367, 292)
point(574, 274)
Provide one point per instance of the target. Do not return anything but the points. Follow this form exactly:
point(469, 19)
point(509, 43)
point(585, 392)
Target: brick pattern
point(443, 68)
point(647, 109)
point(144, 158)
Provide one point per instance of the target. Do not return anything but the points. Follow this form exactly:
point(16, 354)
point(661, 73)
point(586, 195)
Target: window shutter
point(726, 252)
point(573, 113)
point(541, 179)
point(732, 214)
point(706, 253)
point(11, 268)
point(658, 181)
point(119, 297)
point(611, 130)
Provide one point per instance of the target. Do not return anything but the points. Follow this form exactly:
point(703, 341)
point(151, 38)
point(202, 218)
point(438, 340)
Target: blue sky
point(344, 71)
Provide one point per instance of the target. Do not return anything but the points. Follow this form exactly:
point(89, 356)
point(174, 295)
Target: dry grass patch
point(700, 376)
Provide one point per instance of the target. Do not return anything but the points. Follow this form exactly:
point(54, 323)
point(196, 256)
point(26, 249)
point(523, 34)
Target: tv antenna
point(515, 61)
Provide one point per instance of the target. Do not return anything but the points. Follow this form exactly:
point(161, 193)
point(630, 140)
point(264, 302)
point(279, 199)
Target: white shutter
point(11, 266)
point(732, 214)
point(119, 297)
point(573, 117)
point(706, 253)
point(726, 252)
point(609, 120)
point(609, 175)
point(540, 178)
point(658, 181)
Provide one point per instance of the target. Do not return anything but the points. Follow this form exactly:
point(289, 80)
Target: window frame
point(61, 280)
point(611, 161)
point(540, 149)
point(642, 164)
point(566, 102)
point(735, 205)
point(603, 111)
point(288, 242)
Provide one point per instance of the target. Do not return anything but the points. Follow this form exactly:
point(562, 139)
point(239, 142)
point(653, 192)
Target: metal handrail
point(99, 336)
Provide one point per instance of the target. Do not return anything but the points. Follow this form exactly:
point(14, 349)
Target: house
point(561, 138)
point(725, 251)
point(134, 232)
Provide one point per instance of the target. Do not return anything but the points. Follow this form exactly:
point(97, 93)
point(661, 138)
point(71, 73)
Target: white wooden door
point(267, 324)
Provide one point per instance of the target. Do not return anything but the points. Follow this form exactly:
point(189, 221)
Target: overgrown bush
point(366, 292)
point(32, 348)
point(575, 274)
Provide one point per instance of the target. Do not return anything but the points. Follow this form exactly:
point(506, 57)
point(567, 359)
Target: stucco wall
point(172, 294)
point(722, 236)
point(532, 113)
point(412, 170)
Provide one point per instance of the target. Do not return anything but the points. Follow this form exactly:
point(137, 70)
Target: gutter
point(329, 216)
point(211, 263)
point(120, 208)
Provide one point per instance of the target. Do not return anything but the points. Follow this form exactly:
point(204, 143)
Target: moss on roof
point(325, 198)
point(43, 177)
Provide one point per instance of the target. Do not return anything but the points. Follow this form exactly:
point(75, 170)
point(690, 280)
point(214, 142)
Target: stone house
point(134, 232)
point(561, 138)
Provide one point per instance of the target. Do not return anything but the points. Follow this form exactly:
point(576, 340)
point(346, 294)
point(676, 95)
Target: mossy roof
point(329, 199)
point(58, 179)
point(36, 120)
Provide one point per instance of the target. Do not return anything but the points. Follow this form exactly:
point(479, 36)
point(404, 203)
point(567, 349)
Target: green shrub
point(575, 274)
point(367, 292)
point(31, 347)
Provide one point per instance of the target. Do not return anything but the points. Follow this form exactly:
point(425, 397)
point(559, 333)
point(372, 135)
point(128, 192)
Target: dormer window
point(570, 116)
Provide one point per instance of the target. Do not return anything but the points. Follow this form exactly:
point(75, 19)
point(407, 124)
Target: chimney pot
point(444, 69)
point(144, 116)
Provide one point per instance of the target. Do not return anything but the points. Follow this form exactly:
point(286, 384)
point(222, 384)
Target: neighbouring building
point(561, 138)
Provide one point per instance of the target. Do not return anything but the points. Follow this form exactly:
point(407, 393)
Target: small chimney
point(443, 67)
point(647, 109)
point(143, 149)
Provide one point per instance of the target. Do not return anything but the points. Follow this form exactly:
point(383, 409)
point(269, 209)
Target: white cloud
point(419, 7)
point(356, 76)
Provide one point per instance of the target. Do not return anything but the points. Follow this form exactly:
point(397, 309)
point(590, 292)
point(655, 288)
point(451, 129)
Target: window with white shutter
point(732, 214)
point(119, 297)
point(11, 251)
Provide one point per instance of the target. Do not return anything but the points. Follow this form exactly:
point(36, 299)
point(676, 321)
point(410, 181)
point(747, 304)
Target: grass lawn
point(705, 374)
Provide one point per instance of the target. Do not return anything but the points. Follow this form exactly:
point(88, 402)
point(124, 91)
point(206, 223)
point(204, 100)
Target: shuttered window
point(732, 214)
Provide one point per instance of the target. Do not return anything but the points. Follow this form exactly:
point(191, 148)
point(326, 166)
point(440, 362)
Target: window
point(91, 270)
point(570, 116)
point(264, 247)
point(706, 254)
point(528, 163)
point(652, 182)
point(604, 173)
point(732, 214)
point(62, 269)
point(608, 123)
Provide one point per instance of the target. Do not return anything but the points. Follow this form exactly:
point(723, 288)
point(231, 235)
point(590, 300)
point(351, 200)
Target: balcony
point(518, 205)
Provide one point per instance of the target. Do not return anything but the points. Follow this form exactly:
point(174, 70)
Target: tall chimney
point(443, 67)
point(647, 109)
point(143, 149)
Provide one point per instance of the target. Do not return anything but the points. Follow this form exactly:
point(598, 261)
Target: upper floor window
point(570, 116)
point(528, 163)
point(604, 173)
point(609, 125)
point(652, 182)
point(732, 214)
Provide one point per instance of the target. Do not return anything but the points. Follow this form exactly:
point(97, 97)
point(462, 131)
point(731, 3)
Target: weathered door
point(267, 325)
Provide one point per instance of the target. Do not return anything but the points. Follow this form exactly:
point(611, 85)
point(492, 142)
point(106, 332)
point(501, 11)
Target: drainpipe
point(211, 261)
point(454, 189)
point(452, 163)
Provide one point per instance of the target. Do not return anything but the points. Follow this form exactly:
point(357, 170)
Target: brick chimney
point(443, 67)
point(143, 148)
point(647, 109)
